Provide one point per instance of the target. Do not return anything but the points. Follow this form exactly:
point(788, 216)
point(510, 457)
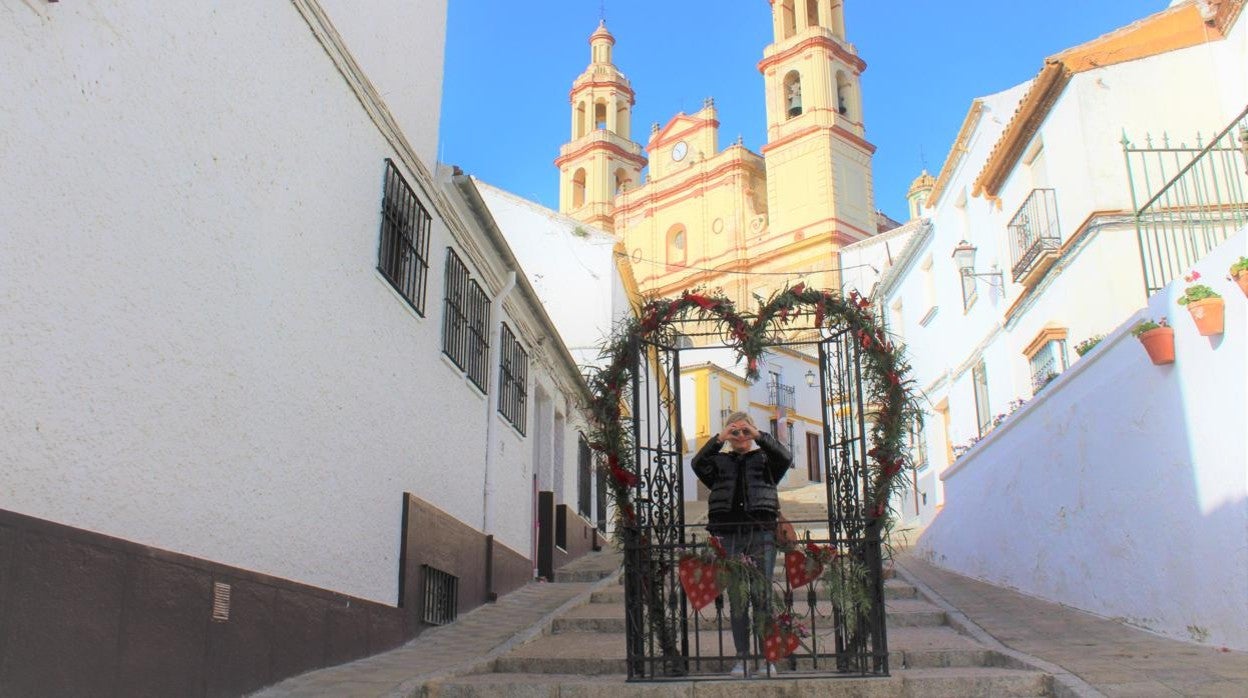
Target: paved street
point(1085, 655)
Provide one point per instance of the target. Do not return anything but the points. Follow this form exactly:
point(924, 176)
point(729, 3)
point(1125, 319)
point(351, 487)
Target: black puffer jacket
point(764, 467)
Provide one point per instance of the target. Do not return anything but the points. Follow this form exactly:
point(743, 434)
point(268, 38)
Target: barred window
point(403, 257)
point(465, 317)
point(513, 380)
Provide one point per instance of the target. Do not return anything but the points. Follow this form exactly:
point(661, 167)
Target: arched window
point(812, 13)
point(792, 94)
point(844, 95)
point(600, 115)
point(621, 180)
point(676, 244)
point(580, 120)
point(788, 19)
point(578, 189)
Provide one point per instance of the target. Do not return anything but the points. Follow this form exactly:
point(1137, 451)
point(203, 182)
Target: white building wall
point(1132, 480)
point(199, 353)
point(571, 266)
point(401, 46)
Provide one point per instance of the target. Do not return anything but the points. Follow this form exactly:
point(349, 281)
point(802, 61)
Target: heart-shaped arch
point(886, 385)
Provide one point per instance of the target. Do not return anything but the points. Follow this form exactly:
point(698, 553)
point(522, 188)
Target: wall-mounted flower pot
point(1159, 343)
point(1208, 314)
point(1242, 279)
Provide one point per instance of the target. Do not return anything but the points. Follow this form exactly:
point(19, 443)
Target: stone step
point(609, 617)
point(893, 589)
point(903, 683)
point(596, 653)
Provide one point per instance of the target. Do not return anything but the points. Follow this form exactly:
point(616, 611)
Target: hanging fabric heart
point(778, 645)
point(800, 569)
point(698, 578)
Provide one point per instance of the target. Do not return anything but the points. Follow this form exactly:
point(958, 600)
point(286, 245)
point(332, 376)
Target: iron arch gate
point(665, 637)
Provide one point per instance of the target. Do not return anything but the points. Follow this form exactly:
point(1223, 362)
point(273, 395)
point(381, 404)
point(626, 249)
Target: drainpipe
point(491, 398)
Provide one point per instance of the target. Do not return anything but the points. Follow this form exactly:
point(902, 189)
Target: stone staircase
point(582, 653)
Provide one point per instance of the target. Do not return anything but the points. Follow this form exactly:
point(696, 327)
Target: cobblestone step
point(905, 683)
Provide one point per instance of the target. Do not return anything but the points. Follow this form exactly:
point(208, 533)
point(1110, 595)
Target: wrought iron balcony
point(780, 395)
point(1034, 235)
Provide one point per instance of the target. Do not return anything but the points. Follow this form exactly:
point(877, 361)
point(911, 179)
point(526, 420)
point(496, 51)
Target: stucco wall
point(199, 354)
point(1123, 488)
point(400, 45)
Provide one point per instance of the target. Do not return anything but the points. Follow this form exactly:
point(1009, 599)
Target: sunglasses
point(737, 432)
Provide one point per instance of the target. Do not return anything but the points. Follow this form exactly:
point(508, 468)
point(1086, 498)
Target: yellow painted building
point(702, 215)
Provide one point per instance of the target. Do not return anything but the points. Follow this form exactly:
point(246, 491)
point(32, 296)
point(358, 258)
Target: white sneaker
point(771, 671)
point(738, 670)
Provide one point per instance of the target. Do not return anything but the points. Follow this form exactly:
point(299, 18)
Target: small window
point(513, 380)
point(676, 244)
point(466, 315)
point(578, 188)
point(979, 376)
point(918, 447)
point(403, 257)
point(1047, 362)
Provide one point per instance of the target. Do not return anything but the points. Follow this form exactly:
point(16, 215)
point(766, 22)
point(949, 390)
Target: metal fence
point(1194, 197)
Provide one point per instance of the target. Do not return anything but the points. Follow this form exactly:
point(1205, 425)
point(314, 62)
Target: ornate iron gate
point(665, 637)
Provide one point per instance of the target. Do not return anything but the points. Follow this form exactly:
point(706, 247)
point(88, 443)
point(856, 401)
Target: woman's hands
point(741, 432)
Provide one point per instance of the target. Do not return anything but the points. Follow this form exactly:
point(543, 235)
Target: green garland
point(886, 389)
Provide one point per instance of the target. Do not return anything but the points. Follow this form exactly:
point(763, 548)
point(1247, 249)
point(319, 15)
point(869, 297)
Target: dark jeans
point(760, 546)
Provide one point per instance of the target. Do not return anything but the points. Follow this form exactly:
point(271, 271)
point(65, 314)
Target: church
point(731, 220)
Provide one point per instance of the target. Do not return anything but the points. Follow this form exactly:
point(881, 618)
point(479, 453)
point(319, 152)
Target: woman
point(743, 506)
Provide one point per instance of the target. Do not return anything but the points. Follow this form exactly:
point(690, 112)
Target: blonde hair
point(739, 417)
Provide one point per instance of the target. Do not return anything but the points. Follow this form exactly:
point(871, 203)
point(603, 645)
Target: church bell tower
point(818, 161)
point(600, 160)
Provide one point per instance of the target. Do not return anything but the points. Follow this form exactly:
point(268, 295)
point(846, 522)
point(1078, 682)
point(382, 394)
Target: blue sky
point(509, 66)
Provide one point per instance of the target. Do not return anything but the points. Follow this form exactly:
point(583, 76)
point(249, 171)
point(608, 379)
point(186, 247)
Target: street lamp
point(964, 257)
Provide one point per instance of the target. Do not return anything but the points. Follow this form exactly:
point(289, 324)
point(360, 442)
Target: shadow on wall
point(1122, 489)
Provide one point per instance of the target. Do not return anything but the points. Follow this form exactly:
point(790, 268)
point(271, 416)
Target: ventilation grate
point(441, 596)
point(220, 601)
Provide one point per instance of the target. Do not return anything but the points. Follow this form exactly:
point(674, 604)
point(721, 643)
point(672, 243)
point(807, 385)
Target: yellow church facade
point(732, 220)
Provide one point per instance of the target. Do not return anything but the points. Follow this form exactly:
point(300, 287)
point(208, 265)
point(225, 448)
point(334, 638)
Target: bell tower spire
point(817, 157)
point(599, 160)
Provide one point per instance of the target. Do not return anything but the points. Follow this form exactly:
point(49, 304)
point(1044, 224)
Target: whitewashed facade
point(1030, 507)
point(201, 354)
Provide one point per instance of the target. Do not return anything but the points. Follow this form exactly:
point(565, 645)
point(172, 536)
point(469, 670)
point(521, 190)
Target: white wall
point(1132, 481)
point(571, 267)
point(199, 354)
point(400, 45)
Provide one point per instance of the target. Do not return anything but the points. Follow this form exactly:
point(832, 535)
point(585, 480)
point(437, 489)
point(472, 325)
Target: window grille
point(403, 256)
point(1046, 363)
point(918, 445)
point(441, 596)
point(584, 476)
point(466, 316)
point(979, 376)
point(513, 380)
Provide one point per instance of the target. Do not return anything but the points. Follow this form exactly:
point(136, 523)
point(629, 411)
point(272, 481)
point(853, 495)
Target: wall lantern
point(964, 257)
point(810, 377)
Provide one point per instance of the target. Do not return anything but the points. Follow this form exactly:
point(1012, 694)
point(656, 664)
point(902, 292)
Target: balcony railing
point(1034, 234)
point(1194, 198)
point(780, 395)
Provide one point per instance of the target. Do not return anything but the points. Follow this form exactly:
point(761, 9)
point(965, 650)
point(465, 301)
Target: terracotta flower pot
point(1159, 343)
point(1242, 279)
point(1208, 314)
